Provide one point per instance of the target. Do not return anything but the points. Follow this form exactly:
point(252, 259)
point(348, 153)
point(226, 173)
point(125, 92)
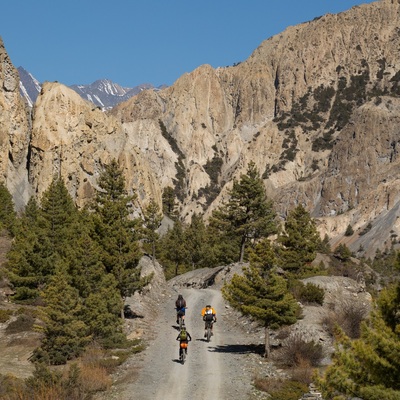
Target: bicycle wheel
point(208, 333)
point(183, 359)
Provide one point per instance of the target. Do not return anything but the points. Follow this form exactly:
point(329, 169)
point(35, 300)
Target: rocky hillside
point(316, 107)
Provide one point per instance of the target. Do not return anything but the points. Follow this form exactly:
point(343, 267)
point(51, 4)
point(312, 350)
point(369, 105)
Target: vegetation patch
point(281, 389)
point(296, 351)
point(308, 293)
point(180, 176)
point(348, 315)
point(23, 323)
point(5, 315)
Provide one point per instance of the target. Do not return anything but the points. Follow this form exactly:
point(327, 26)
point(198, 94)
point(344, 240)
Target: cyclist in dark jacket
point(180, 305)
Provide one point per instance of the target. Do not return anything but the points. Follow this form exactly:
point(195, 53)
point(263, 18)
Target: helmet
point(183, 327)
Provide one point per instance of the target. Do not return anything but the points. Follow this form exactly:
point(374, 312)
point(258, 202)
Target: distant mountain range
point(103, 93)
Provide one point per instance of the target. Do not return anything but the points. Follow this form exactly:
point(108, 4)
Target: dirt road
point(212, 370)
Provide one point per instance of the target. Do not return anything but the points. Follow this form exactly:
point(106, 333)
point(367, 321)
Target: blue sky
point(144, 41)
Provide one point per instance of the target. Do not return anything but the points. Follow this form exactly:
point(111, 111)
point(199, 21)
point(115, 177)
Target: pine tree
point(65, 334)
point(101, 312)
point(60, 215)
point(261, 293)
point(7, 212)
point(299, 241)
point(173, 251)
point(23, 268)
point(199, 250)
point(116, 232)
point(247, 215)
point(152, 221)
point(169, 202)
point(43, 238)
point(343, 252)
point(368, 367)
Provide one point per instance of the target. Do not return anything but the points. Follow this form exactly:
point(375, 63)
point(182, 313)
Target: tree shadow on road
point(239, 348)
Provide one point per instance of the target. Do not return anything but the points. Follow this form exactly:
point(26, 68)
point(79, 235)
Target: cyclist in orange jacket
point(209, 316)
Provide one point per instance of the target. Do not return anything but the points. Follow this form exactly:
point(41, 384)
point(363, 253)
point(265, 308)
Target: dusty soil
point(16, 348)
point(222, 369)
point(226, 367)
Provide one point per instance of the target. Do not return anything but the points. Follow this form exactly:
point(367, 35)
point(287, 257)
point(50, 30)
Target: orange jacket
point(203, 311)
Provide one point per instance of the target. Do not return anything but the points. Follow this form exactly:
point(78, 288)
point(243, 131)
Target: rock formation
point(316, 107)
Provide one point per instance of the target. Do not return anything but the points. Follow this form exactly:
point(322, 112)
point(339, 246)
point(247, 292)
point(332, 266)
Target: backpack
point(180, 303)
point(208, 316)
point(183, 335)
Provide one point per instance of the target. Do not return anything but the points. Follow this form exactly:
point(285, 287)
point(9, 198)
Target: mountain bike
point(182, 352)
point(181, 318)
point(208, 330)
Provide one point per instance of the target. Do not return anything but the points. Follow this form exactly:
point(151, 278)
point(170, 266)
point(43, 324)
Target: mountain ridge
point(103, 93)
point(315, 107)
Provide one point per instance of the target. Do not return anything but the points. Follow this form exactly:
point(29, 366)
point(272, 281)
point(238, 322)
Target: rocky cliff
point(315, 107)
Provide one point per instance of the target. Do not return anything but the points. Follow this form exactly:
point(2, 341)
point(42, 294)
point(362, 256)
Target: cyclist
point(180, 305)
point(184, 338)
point(209, 317)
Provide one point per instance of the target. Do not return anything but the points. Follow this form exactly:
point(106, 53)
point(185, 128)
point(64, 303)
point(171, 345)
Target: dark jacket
point(179, 306)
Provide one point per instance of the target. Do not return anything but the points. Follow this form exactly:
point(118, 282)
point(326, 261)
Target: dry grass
point(348, 315)
point(281, 389)
point(297, 352)
point(303, 372)
point(94, 378)
point(23, 323)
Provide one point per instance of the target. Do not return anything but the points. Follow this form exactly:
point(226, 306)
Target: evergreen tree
point(247, 215)
point(43, 238)
point(59, 214)
point(324, 246)
point(65, 334)
point(116, 232)
point(98, 290)
point(101, 312)
point(261, 293)
point(169, 202)
point(7, 212)
point(349, 231)
point(152, 221)
point(199, 250)
point(342, 252)
point(368, 367)
point(173, 251)
point(23, 266)
point(299, 241)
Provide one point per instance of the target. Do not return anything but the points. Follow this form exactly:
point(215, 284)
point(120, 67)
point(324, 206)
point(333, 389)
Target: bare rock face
point(74, 140)
point(316, 108)
point(14, 132)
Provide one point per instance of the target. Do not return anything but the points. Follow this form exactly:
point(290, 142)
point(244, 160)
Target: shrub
point(348, 315)
point(297, 351)
point(309, 293)
point(281, 389)
point(10, 385)
point(5, 315)
point(23, 323)
point(303, 372)
point(349, 231)
point(95, 378)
